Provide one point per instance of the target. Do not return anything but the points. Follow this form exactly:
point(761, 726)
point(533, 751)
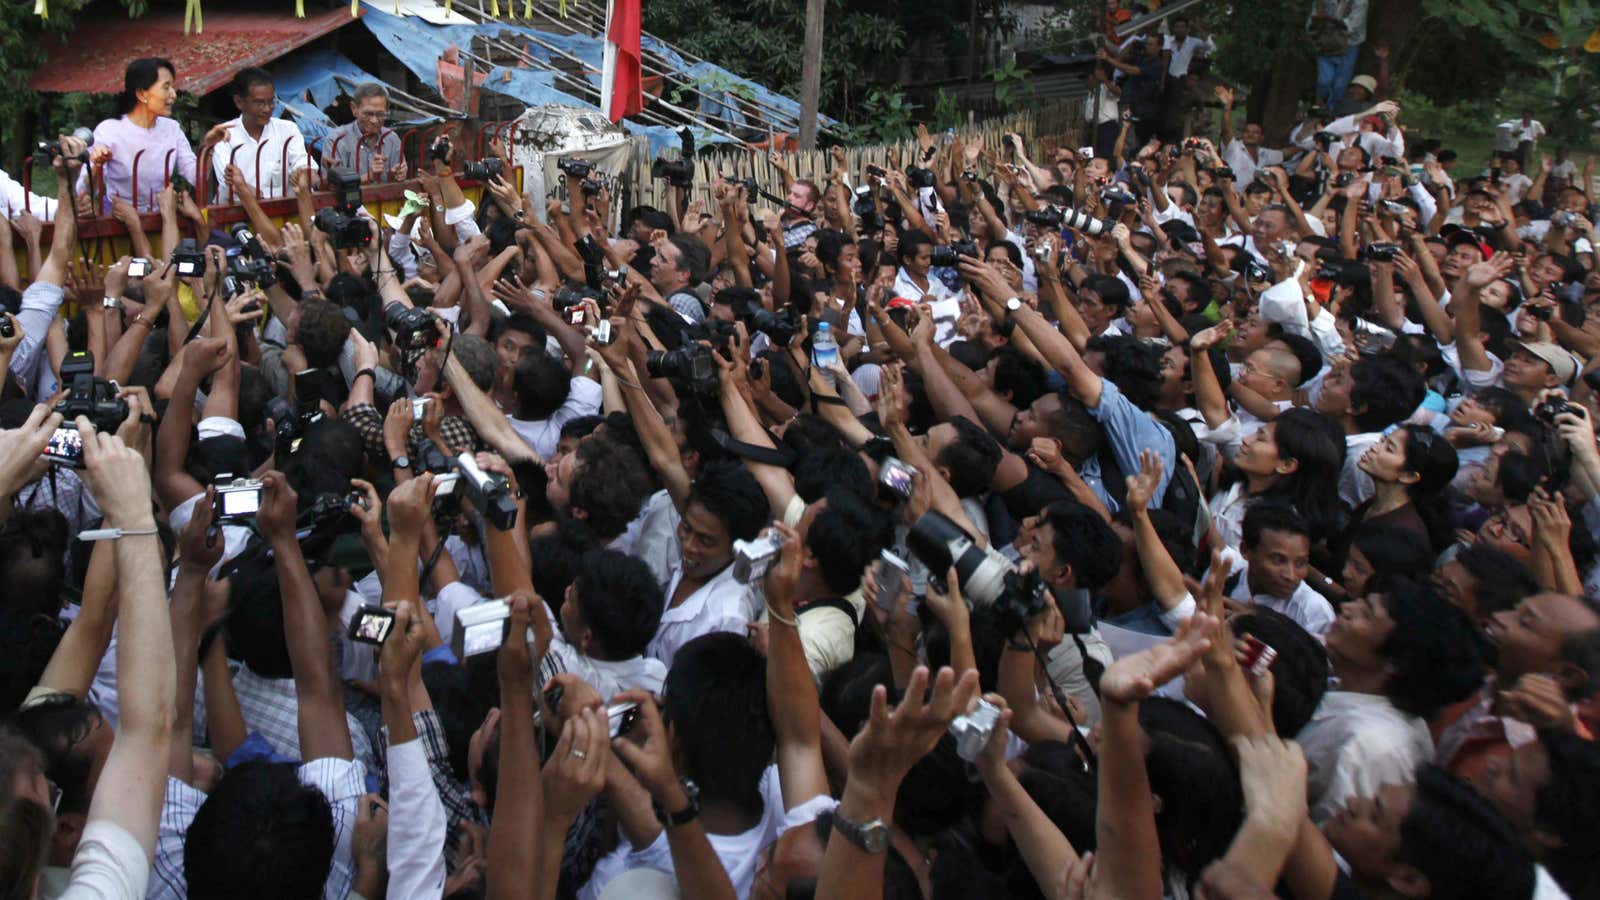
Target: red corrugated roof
point(97, 52)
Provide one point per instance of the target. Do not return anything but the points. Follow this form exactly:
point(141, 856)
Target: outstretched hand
point(1136, 676)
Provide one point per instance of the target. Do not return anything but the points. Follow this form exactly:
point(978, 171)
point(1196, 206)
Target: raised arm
point(776, 482)
point(196, 556)
point(173, 483)
point(514, 844)
point(132, 782)
point(791, 692)
point(324, 732)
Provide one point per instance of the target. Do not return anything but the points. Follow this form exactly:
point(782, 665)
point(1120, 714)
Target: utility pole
point(811, 75)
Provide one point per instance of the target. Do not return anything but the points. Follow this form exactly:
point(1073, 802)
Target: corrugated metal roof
point(97, 52)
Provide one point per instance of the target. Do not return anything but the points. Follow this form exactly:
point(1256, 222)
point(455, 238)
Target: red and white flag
point(620, 86)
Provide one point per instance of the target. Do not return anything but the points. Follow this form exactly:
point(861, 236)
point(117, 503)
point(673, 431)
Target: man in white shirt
point(1244, 154)
point(1180, 47)
point(1525, 132)
point(1271, 565)
point(265, 150)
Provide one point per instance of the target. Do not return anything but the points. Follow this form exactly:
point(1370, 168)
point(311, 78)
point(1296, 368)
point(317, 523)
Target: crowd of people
point(1194, 514)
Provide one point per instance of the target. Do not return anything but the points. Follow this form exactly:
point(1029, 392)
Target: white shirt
point(721, 604)
point(1531, 131)
point(946, 305)
point(416, 826)
point(16, 201)
point(1183, 54)
point(740, 853)
point(1309, 609)
point(1355, 486)
point(109, 864)
point(1356, 744)
point(276, 163)
point(583, 399)
point(1237, 156)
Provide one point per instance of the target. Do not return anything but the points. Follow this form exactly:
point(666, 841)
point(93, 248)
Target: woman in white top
point(1296, 457)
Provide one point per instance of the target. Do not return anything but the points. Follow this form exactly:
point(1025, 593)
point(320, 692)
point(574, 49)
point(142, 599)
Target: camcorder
point(484, 169)
point(412, 327)
point(49, 150)
point(947, 255)
point(580, 168)
point(340, 221)
point(988, 578)
point(680, 172)
point(482, 628)
point(1381, 251)
point(458, 478)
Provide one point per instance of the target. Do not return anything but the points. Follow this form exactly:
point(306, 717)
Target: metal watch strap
point(871, 836)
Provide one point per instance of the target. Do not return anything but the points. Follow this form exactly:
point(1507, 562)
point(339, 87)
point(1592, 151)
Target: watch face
point(401, 462)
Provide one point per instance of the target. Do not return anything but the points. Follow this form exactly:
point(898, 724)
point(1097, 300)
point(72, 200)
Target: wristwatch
point(688, 813)
point(871, 836)
point(111, 302)
point(1013, 305)
point(400, 462)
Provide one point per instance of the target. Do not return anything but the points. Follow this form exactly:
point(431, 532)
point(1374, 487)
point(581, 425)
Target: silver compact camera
point(238, 499)
point(752, 559)
point(972, 731)
point(481, 628)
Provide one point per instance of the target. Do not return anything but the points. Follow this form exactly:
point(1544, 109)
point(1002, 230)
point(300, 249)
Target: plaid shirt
point(795, 233)
point(271, 708)
point(366, 419)
point(457, 799)
point(342, 781)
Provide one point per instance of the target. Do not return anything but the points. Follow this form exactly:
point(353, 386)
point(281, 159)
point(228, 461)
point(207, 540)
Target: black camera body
point(1547, 410)
point(1049, 217)
point(690, 363)
point(948, 255)
point(413, 327)
point(678, 173)
point(1382, 251)
point(93, 398)
point(340, 222)
point(988, 578)
point(780, 327)
point(49, 150)
point(189, 259)
point(1223, 173)
point(576, 168)
point(484, 169)
point(921, 178)
point(1542, 313)
point(1344, 179)
point(571, 294)
point(876, 171)
point(1324, 139)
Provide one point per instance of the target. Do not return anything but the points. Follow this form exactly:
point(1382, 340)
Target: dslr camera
point(1382, 251)
point(921, 178)
point(571, 294)
point(484, 169)
point(580, 168)
point(412, 326)
point(987, 577)
point(947, 255)
point(780, 327)
point(340, 222)
point(1547, 410)
point(677, 172)
point(691, 363)
point(93, 398)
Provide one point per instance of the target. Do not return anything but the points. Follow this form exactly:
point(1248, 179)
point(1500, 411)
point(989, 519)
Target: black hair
point(1459, 843)
point(554, 559)
point(620, 600)
point(1112, 290)
point(609, 486)
point(33, 548)
point(54, 726)
point(730, 493)
point(1581, 650)
point(1272, 515)
point(541, 384)
point(971, 458)
point(1011, 251)
point(846, 692)
point(715, 702)
point(1299, 671)
point(652, 218)
point(247, 79)
point(1316, 442)
point(1199, 288)
point(1084, 541)
point(819, 472)
point(1500, 580)
point(1518, 474)
point(1392, 550)
point(27, 641)
point(458, 708)
point(829, 245)
point(1389, 390)
point(140, 75)
point(1132, 365)
point(845, 536)
point(322, 333)
point(1432, 652)
point(1564, 808)
point(695, 259)
point(255, 617)
point(523, 322)
point(1021, 377)
point(910, 242)
point(1434, 461)
point(581, 427)
point(261, 833)
point(1191, 769)
point(936, 793)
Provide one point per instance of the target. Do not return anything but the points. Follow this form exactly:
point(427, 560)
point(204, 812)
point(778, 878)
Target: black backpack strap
point(839, 603)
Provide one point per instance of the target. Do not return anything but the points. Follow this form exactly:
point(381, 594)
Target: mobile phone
point(371, 625)
point(138, 268)
point(65, 448)
point(1255, 657)
point(895, 477)
point(419, 407)
point(622, 717)
point(602, 332)
point(1086, 152)
point(888, 571)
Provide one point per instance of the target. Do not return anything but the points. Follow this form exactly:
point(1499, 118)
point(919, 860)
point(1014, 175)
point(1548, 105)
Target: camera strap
point(771, 456)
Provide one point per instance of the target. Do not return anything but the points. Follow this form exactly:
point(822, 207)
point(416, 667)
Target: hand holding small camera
point(647, 753)
point(279, 506)
point(1132, 678)
point(410, 505)
point(576, 770)
point(893, 740)
point(404, 646)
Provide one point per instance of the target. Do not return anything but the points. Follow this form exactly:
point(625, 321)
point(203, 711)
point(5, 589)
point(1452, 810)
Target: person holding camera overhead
point(257, 138)
point(144, 125)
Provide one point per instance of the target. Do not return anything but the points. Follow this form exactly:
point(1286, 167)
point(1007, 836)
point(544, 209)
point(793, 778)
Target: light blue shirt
point(1129, 430)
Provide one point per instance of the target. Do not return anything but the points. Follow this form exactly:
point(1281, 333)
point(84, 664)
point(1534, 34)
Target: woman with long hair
point(144, 146)
point(1296, 458)
point(1410, 469)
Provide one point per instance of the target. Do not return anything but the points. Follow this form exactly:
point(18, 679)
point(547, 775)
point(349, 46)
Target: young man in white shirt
point(1180, 48)
point(1270, 569)
point(265, 150)
point(1243, 154)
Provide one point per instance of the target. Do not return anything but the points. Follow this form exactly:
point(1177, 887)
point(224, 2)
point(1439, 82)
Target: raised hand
point(576, 769)
point(1136, 676)
point(410, 505)
point(1142, 487)
point(279, 502)
point(404, 646)
point(1272, 774)
point(894, 739)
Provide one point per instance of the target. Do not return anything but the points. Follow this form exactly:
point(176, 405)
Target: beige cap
point(1561, 362)
point(1366, 81)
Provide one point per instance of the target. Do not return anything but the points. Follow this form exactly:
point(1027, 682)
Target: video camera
point(580, 168)
point(459, 477)
point(49, 150)
point(340, 221)
point(947, 255)
point(987, 577)
point(249, 262)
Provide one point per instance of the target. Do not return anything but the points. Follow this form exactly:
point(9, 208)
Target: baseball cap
point(1467, 236)
point(1366, 81)
point(1560, 361)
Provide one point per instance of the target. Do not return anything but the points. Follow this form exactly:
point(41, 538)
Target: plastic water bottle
point(824, 352)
